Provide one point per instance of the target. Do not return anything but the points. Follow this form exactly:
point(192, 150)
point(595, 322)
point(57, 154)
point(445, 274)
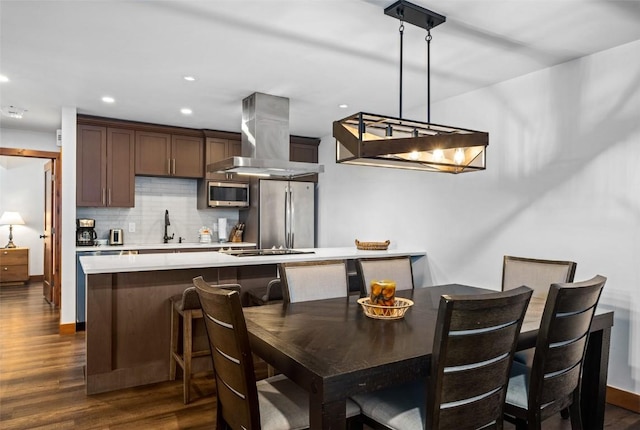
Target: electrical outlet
point(132, 227)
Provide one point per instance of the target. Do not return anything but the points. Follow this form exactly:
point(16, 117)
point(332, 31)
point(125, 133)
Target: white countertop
point(173, 261)
point(167, 246)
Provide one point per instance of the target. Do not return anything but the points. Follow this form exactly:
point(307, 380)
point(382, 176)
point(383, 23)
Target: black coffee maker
point(85, 232)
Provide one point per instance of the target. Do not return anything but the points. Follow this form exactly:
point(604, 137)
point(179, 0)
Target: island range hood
point(265, 141)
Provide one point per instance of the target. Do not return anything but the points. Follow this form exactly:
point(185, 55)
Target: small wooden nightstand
point(14, 266)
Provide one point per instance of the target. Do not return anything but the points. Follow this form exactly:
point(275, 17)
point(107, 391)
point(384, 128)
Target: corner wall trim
point(623, 399)
point(67, 328)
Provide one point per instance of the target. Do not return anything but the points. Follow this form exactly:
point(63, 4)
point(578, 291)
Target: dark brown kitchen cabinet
point(306, 152)
point(153, 153)
point(105, 167)
point(187, 154)
point(304, 149)
point(219, 149)
point(163, 154)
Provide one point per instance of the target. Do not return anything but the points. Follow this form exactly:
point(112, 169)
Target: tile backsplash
point(153, 197)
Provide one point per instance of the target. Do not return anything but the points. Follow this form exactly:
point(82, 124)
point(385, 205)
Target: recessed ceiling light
point(108, 99)
point(13, 111)
point(3, 78)
point(189, 78)
point(343, 106)
point(186, 111)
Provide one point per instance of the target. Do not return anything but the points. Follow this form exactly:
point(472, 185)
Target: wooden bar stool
point(187, 307)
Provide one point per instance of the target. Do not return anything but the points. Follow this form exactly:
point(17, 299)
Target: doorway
point(51, 244)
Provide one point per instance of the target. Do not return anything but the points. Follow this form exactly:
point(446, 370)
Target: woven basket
point(380, 312)
point(372, 246)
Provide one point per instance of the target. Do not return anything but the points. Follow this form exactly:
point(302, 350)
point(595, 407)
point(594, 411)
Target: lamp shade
point(11, 218)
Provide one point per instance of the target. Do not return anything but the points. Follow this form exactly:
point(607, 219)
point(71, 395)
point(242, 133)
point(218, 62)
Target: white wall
point(22, 185)
point(22, 190)
point(562, 182)
point(24, 139)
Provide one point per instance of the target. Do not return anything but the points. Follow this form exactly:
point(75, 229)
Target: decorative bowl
point(381, 312)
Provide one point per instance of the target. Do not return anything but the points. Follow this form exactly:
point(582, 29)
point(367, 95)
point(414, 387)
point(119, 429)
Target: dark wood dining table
point(332, 350)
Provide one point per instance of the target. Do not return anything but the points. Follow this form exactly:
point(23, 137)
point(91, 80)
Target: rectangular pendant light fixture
point(383, 141)
point(375, 140)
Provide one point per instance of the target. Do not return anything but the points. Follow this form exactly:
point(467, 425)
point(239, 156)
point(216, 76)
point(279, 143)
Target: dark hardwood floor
point(42, 381)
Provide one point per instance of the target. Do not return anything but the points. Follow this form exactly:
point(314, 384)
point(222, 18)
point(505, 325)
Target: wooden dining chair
point(475, 337)
point(397, 269)
point(535, 273)
point(539, 275)
point(314, 280)
point(275, 403)
point(553, 382)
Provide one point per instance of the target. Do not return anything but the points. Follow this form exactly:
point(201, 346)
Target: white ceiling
point(318, 53)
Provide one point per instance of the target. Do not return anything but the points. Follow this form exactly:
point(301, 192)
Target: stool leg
point(271, 371)
point(175, 325)
point(187, 350)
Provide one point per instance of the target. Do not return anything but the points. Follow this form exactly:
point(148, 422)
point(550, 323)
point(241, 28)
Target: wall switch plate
point(132, 227)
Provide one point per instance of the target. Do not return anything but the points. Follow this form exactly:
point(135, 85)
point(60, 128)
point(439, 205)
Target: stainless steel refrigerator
point(281, 213)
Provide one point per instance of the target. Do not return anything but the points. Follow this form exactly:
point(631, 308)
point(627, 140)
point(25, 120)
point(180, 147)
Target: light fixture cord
point(428, 39)
point(401, 30)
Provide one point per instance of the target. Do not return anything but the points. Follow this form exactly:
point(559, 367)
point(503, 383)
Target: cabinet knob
point(5, 268)
point(5, 252)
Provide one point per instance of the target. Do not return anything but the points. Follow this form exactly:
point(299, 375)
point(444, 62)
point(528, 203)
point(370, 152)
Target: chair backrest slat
point(469, 383)
point(314, 280)
point(237, 394)
point(473, 347)
point(535, 273)
point(572, 326)
point(564, 356)
point(397, 269)
point(467, 416)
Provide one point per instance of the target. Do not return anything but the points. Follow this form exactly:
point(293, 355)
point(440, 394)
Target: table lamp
point(11, 219)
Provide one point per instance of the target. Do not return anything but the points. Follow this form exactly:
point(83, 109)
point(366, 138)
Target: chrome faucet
point(167, 223)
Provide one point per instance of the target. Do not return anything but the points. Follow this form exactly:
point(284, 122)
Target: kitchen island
point(138, 248)
point(128, 311)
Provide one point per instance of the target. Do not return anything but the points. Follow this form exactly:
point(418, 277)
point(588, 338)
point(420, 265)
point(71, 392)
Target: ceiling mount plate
point(413, 14)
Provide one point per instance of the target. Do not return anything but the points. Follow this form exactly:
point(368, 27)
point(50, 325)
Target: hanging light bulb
point(414, 155)
point(458, 157)
point(438, 155)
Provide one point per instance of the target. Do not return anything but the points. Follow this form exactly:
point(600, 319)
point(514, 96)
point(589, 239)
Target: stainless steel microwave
point(227, 194)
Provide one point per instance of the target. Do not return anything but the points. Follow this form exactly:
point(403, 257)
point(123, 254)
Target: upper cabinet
point(187, 156)
point(217, 150)
point(163, 154)
point(104, 167)
point(153, 153)
point(110, 152)
point(303, 149)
